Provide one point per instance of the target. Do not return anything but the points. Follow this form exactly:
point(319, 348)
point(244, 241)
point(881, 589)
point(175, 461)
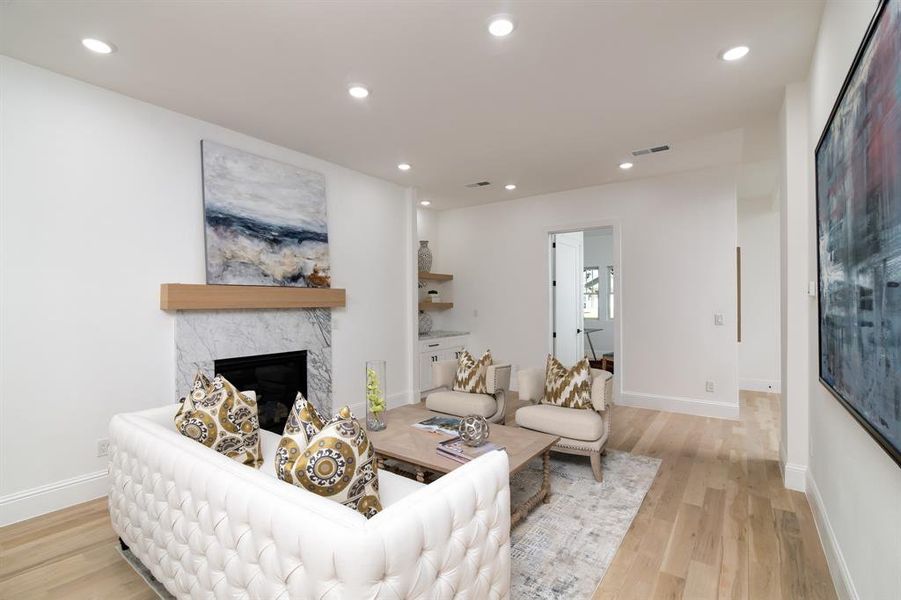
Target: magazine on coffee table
point(446, 425)
point(455, 449)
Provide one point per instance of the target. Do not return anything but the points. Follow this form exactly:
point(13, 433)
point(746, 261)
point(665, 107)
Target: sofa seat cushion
point(461, 404)
point(574, 423)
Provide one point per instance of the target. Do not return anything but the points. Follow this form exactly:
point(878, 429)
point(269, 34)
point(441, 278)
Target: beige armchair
point(491, 405)
point(582, 431)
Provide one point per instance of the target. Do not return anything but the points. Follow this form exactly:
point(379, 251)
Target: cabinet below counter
point(436, 346)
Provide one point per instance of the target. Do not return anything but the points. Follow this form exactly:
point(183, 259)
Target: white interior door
point(569, 341)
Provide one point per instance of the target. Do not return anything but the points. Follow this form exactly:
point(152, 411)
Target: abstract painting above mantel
point(858, 179)
point(264, 221)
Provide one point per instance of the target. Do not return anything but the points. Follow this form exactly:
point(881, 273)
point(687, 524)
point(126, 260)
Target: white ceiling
point(556, 105)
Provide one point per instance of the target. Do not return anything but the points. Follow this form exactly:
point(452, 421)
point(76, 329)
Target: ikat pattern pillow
point(471, 373)
point(567, 387)
point(338, 463)
point(304, 422)
point(220, 417)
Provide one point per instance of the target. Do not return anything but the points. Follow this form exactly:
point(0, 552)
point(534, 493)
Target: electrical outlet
point(709, 386)
point(475, 313)
point(102, 447)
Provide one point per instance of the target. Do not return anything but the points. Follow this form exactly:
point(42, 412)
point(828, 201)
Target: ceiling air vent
point(478, 184)
point(653, 150)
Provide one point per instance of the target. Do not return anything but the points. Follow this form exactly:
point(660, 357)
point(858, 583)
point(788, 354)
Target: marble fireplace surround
point(202, 336)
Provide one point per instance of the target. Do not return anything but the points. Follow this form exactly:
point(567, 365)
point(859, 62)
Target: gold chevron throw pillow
point(220, 417)
point(303, 423)
point(471, 373)
point(567, 387)
point(339, 464)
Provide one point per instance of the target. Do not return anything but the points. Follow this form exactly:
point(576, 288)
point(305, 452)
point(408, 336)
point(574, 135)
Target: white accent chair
point(582, 431)
point(207, 526)
point(492, 405)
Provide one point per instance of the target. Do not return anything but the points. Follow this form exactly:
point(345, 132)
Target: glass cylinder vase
point(376, 402)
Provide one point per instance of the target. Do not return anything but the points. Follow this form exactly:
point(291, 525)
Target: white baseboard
point(53, 496)
point(688, 406)
point(794, 477)
point(838, 568)
point(773, 386)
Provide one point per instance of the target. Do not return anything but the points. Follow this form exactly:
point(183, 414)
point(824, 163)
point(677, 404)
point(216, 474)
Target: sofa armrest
point(443, 372)
point(449, 538)
point(497, 378)
point(531, 384)
point(601, 389)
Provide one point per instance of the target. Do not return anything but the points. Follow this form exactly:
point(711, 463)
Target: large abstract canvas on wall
point(265, 221)
point(858, 181)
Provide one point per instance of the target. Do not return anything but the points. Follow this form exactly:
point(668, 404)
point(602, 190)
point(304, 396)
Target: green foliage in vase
point(374, 395)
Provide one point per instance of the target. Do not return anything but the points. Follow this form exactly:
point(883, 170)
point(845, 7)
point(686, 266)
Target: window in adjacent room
point(591, 293)
point(610, 280)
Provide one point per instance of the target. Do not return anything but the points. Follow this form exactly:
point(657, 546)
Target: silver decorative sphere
point(474, 430)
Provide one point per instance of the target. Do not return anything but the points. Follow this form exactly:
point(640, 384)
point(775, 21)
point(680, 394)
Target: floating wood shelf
point(189, 296)
point(426, 275)
point(435, 305)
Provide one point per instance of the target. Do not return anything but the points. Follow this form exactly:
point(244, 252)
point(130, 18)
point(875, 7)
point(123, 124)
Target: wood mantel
point(190, 296)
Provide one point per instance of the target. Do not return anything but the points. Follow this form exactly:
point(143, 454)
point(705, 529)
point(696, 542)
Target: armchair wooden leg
point(596, 466)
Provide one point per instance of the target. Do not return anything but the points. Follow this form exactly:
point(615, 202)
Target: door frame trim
point(616, 226)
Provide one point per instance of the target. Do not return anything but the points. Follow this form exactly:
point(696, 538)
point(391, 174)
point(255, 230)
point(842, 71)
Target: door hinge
point(554, 334)
point(554, 283)
point(553, 244)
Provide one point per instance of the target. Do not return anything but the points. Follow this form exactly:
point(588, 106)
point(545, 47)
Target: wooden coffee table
point(402, 442)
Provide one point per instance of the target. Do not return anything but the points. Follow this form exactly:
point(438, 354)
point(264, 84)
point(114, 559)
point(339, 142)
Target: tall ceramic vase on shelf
point(375, 395)
point(424, 256)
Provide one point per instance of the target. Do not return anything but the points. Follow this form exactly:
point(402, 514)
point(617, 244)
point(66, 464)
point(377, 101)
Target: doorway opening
point(584, 294)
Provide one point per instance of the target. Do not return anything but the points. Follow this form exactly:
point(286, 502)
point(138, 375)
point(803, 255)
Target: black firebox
point(276, 379)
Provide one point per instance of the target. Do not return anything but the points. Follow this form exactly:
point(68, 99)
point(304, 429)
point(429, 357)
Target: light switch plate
point(812, 288)
point(719, 319)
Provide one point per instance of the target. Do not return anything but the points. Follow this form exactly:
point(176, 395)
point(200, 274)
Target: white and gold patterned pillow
point(220, 417)
point(567, 387)
point(303, 423)
point(339, 463)
point(471, 373)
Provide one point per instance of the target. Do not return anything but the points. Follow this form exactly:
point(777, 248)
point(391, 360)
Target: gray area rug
point(561, 549)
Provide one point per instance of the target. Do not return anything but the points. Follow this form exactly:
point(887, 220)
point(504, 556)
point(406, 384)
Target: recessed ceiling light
point(735, 53)
point(425, 203)
point(98, 46)
point(501, 26)
point(625, 166)
point(510, 186)
point(358, 91)
point(404, 167)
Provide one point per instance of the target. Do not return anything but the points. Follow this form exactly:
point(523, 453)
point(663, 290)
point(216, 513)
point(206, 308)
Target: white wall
point(758, 237)
point(669, 345)
point(101, 202)
point(795, 301)
point(853, 485)
point(598, 250)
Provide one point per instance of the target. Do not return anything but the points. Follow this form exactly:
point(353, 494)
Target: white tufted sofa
point(209, 527)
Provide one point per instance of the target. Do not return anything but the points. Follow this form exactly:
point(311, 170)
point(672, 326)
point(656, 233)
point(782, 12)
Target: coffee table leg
point(546, 482)
point(542, 495)
point(420, 474)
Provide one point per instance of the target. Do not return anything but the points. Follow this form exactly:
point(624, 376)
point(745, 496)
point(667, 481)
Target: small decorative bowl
point(474, 430)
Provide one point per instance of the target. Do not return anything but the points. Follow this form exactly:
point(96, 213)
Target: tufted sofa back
point(209, 527)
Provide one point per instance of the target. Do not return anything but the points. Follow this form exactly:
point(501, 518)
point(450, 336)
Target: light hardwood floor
point(717, 523)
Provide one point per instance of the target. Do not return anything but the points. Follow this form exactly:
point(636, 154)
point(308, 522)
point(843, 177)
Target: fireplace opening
point(276, 379)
